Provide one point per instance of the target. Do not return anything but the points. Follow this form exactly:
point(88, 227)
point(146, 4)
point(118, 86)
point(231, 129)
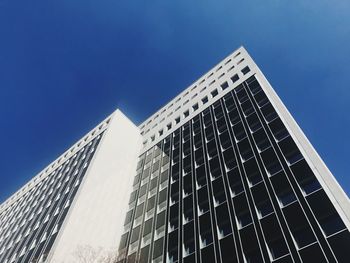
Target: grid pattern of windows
point(231, 185)
point(202, 91)
point(28, 227)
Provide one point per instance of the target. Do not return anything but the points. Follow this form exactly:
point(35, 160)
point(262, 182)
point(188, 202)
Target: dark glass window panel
point(228, 250)
point(235, 181)
point(147, 227)
point(219, 191)
point(250, 245)
point(305, 177)
point(225, 140)
point(245, 70)
point(201, 176)
point(155, 166)
point(283, 189)
point(203, 201)
point(187, 184)
point(128, 217)
point(188, 208)
point(262, 200)
point(234, 116)
point(123, 241)
point(245, 149)
point(241, 94)
point(132, 258)
point(153, 184)
point(137, 179)
point(164, 176)
point(298, 225)
point(211, 148)
point(224, 85)
point(151, 203)
point(242, 211)
point(158, 248)
point(223, 220)
point(290, 150)
point(190, 259)
point(208, 254)
point(187, 148)
point(214, 166)
point(325, 213)
point(234, 78)
point(173, 243)
point(205, 229)
point(239, 131)
point(218, 112)
point(135, 234)
point(230, 103)
point(313, 253)
point(253, 122)
point(254, 86)
point(146, 173)
point(139, 210)
point(274, 237)
point(247, 108)
point(188, 242)
point(162, 196)
point(207, 119)
point(278, 129)
point(199, 157)
point(340, 245)
point(143, 190)
point(271, 161)
point(144, 254)
point(261, 98)
point(197, 139)
point(269, 112)
point(133, 196)
point(221, 124)
point(196, 127)
point(174, 193)
point(252, 171)
point(160, 219)
point(261, 140)
point(209, 132)
point(174, 217)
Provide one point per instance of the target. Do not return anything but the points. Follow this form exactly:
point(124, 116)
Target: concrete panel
point(96, 218)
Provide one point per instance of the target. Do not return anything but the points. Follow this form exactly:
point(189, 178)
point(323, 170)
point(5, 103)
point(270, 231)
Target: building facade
point(222, 173)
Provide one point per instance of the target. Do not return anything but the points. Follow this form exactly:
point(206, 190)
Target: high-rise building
point(222, 173)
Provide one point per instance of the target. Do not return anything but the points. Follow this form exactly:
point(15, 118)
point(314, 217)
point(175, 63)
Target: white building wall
point(96, 217)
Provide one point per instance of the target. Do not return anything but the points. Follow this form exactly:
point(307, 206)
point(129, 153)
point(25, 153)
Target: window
point(168, 126)
point(214, 93)
point(177, 120)
point(245, 70)
point(234, 78)
point(224, 85)
point(161, 132)
point(228, 61)
point(239, 62)
point(186, 113)
point(205, 99)
point(195, 107)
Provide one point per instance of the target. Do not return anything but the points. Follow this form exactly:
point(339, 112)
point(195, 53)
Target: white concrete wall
point(97, 214)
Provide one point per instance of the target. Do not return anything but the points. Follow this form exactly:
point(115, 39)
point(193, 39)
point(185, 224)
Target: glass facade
point(29, 227)
point(231, 185)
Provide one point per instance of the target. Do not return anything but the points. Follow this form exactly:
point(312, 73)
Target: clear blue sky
point(67, 64)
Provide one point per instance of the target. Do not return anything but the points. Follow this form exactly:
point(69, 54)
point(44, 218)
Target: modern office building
point(222, 173)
